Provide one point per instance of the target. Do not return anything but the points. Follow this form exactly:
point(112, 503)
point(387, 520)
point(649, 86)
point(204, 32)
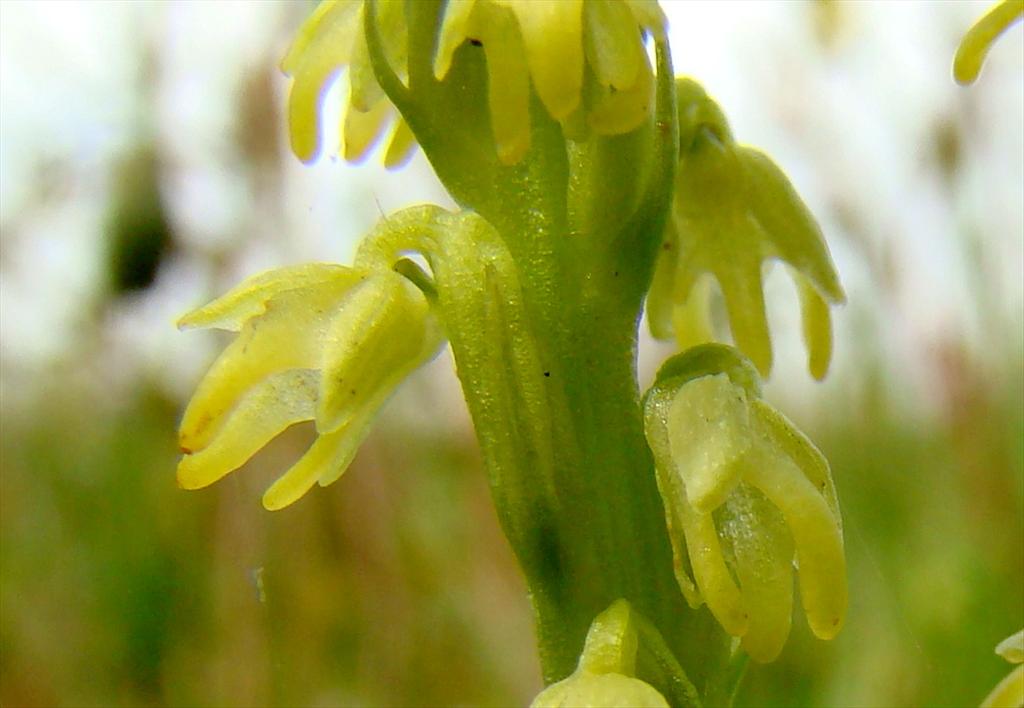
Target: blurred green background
point(143, 170)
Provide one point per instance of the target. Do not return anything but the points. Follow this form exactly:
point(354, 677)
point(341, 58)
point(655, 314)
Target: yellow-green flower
point(558, 46)
point(733, 210)
point(746, 497)
point(331, 39)
point(975, 45)
point(604, 677)
point(315, 342)
point(1009, 693)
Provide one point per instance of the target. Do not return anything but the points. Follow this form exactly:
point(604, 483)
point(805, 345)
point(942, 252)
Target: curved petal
point(361, 130)
point(744, 299)
point(1008, 693)
point(280, 400)
point(453, 32)
point(377, 338)
point(326, 460)
point(552, 33)
point(817, 327)
point(613, 45)
point(249, 299)
point(716, 584)
point(401, 145)
point(819, 543)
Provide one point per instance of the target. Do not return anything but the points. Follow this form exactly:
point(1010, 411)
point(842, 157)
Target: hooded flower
point(746, 498)
point(574, 52)
point(331, 39)
point(734, 209)
point(974, 47)
point(315, 342)
point(1009, 693)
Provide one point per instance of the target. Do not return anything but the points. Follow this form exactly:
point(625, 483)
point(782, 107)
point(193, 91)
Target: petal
point(317, 55)
point(713, 578)
point(287, 336)
point(508, 85)
point(975, 45)
point(364, 92)
point(817, 327)
point(328, 16)
point(762, 549)
point(620, 112)
point(361, 130)
point(709, 435)
point(1012, 648)
point(249, 299)
point(788, 224)
point(819, 543)
point(744, 299)
point(552, 32)
point(453, 33)
point(1009, 693)
point(612, 43)
point(691, 318)
point(659, 296)
point(376, 339)
point(326, 460)
point(787, 438)
point(649, 15)
point(401, 145)
point(280, 400)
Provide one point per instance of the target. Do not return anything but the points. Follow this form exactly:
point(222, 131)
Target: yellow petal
point(1009, 693)
point(328, 15)
point(660, 295)
point(361, 130)
point(364, 91)
point(1012, 648)
point(744, 299)
point(691, 318)
point(249, 299)
point(713, 578)
point(318, 54)
point(613, 44)
point(327, 458)
point(552, 32)
point(508, 86)
point(287, 336)
point(280, 400)
point(620, 112)
point(819, 543)
point(649, 15)
point(817, 327)
point(375, 340)
point(974, 47)
point(401, 145)
point(453, 32)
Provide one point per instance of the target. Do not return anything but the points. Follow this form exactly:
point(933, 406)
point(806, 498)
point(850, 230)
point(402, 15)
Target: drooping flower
point(746, 497)
point(1009, 693)
point(733, 210)
point(331, 39)
point(582, 58)
point(604, 676)
point(975, 46)
point(315, 342)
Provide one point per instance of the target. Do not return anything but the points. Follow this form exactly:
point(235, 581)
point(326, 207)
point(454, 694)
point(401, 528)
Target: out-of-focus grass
point(394, 586)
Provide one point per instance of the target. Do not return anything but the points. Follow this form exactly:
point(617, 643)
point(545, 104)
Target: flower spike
point(315, 342)
point(733, 210)
point(975, 46)
point(746, 495)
